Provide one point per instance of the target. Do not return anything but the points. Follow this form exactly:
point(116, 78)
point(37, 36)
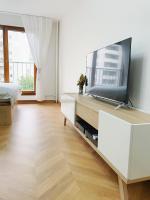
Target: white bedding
point(9, 89)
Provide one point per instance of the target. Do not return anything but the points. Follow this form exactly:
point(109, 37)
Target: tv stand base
point(120, 105)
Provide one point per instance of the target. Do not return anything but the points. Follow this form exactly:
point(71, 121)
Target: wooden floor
point(40, 159)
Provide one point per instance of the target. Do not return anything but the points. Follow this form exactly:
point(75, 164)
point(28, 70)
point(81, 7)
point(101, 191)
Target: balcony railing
point(23, 74)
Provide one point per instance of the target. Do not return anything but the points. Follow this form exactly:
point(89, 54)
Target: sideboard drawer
point(87, 114)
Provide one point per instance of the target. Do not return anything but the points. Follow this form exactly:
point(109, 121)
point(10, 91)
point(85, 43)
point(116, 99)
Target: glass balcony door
point(16, 62)
point(21, 64)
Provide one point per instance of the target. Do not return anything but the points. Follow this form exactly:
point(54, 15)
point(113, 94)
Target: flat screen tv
point(107, 71)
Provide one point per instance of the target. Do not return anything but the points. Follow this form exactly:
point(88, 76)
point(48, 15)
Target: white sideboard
point(123, 136)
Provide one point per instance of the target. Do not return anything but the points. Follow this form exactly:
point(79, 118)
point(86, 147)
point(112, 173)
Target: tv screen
point(107, 71)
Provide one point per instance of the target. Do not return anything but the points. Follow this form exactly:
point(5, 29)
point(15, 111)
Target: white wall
point(49, 73)
point(96, 23)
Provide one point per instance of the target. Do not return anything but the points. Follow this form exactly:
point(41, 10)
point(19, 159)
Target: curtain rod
point(19, 14)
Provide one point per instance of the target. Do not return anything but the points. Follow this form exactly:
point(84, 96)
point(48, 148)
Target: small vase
point(81, 90)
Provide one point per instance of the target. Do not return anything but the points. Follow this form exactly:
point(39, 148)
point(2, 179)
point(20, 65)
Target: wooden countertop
point(130, 115)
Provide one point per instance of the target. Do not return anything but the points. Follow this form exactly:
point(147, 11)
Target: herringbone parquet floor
point(40, 159)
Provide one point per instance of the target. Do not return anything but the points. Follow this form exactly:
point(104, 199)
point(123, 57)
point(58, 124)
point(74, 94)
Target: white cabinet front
point(68, 107)
point(114, 141)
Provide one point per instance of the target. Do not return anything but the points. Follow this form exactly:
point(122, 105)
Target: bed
point(8, 96)
point(10, 90)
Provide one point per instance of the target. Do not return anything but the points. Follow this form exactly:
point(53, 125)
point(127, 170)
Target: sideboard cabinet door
point(68, 107)
point(114, 141)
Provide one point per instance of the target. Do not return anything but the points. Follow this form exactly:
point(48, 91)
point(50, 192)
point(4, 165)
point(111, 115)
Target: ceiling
point(49, 8)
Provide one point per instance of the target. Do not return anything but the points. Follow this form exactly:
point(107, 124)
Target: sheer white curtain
point(38, 30)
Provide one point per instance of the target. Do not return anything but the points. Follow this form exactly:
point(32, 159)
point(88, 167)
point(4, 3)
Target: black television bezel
point(128, 78)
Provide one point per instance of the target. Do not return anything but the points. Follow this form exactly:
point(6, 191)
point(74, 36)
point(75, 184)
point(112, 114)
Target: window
point(16, 63)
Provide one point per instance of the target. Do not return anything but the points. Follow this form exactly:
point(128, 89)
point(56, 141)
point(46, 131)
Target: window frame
point(6, 56)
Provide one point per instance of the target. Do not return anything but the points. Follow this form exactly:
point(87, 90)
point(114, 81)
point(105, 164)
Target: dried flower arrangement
point(81, 82)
